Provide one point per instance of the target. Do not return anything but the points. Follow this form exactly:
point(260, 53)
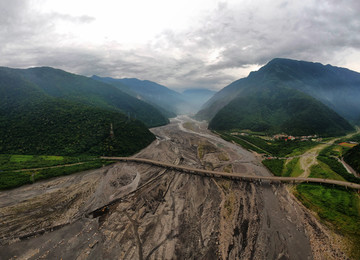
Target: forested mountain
point(338, 88)
point(295, 97)
point(60, 84)
point(279, 109)
point(33, 122)
point(168, 101)
point(66, 128)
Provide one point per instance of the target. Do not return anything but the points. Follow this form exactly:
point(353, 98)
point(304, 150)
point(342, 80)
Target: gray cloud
point(71, 18)
point(233, 36)
point(257, 33)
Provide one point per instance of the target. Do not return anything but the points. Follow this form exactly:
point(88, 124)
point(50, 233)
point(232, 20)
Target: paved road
point(237, 176)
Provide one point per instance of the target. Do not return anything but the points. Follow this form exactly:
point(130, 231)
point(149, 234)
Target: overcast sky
point(177, 43)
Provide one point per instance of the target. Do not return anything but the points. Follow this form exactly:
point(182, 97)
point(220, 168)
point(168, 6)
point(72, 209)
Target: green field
point(11, 162)
point(292, 168)
point(246, 145)
point(337, 207)
point(18, 170)
point(322, 170)
point(279, 148)
point(276, 166)
point(279, 167)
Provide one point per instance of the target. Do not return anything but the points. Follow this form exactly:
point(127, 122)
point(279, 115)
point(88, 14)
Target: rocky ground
point(137, 211)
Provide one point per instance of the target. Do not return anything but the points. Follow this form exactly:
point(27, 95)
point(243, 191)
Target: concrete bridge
point(235, 176)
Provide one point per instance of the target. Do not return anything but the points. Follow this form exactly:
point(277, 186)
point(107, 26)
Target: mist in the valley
point(194, 99)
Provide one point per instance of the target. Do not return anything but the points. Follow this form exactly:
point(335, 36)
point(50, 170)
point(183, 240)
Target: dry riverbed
point(137, 211)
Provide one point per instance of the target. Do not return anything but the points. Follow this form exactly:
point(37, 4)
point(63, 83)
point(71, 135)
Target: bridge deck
point(235, 176)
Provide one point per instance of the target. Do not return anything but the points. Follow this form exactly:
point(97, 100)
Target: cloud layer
point(216, 47)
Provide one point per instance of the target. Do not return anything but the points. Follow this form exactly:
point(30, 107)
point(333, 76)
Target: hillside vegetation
point(33, 122)
point(66, 128)
point(352, 157)
point(287, 95)
point(71, 87)
point(278, 109)
point(277, 148)
point(338, 88)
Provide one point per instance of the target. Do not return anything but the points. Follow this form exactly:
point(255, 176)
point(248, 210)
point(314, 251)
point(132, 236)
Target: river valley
point(136, 211)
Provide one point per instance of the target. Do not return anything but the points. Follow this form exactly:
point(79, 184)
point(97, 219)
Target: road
point(308, 159)
point(139, 211)
point(348, 168)
point(236, 176)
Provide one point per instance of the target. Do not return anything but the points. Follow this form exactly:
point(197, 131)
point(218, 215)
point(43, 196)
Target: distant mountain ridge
point(166, 100)
point(290, 96)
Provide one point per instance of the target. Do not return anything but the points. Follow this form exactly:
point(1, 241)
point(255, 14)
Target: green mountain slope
point(68, 86)
point(279, 109)
point(222, 98)
point(15, 91)
point(66, 128)
point(32, 122)
point(338, 88)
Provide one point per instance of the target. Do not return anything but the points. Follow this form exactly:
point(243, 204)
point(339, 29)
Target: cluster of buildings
point(314, 138)
point(286, 137)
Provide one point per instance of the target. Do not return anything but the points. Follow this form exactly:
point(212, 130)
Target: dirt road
point(162, 214)
point(308, 159)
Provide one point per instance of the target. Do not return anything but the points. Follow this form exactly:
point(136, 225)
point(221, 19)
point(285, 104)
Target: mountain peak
point(310, 82)
point(295, 64)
